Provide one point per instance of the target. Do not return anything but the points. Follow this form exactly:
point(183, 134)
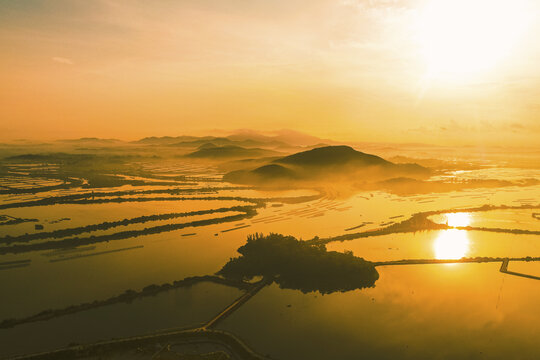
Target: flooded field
point(177, 308)
point(270, 180)
point(440, 244)
point(526, 219)
point(411, 307)
point(82, 263)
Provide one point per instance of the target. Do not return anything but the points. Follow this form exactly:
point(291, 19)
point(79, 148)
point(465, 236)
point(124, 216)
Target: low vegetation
point(61, 233)
point(95, 239)
point(325, 163)
point(126, 297)
point(294, 264)
point(421, 222)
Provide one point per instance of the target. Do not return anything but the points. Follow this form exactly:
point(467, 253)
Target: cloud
point(62, 60)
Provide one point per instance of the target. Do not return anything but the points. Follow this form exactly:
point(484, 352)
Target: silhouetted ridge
point(229, 151)
point(295, 264)
point(274, 171)
point(326, 163)
point(207, 145)
point(90, 139)
point(332, 156)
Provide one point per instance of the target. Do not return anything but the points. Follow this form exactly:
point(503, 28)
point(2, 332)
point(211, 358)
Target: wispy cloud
point(62, 60)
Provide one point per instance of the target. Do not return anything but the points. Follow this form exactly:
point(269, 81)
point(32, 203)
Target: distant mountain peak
point(230, 151)
point(327, 162)
point(332, 155)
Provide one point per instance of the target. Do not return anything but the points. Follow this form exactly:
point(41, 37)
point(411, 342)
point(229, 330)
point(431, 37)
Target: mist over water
point(249, 180)
point(93, 239)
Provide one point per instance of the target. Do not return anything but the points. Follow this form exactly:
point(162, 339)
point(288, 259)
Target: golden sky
point(434, 71)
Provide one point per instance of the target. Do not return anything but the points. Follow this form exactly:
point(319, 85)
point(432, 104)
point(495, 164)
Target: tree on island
point(295, 264)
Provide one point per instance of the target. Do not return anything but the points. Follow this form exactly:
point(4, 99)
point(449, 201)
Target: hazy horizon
point(269, 179)
point(389, 71)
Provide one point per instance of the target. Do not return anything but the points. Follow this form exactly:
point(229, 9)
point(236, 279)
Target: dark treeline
point(485, 207)
point(104, 349)
point(76, 241)
point(14, 266)
point(68, 251)
point(90, 197)
point(84, 254)
point(89, 200)
point(13, 262)
point(15, 221)
point(478, 259)
point(499, 230)
point(175, 191)
point(6, 265)
point(420, 222)
point(295, 200)
point(294, 264)
point(93, 180)
point(89, 181)
point(102, 180)
point(112, 224)
point(126, 297)
point(68, 184)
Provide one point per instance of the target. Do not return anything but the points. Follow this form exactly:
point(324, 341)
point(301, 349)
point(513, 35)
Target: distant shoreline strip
point(97, 253)
point(61, 252)
point(355, 227)
point(14, 266)
point(14, 262)
point(235, 228)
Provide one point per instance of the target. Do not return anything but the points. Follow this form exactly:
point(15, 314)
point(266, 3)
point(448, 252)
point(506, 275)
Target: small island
point(295, 264)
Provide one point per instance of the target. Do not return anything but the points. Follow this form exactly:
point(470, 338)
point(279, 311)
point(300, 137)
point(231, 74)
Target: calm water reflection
point(451, 244)
point(415, 312)
point(183, 307)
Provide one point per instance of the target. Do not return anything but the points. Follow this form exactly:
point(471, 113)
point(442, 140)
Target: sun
point(451, 244)
point(465, 37)
point(458, 219)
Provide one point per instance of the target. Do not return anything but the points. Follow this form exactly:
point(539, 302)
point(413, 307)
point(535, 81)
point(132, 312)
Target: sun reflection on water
point(458, 219)
point(453, 243)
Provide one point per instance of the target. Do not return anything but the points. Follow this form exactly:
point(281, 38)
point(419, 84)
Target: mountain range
point(328, 162)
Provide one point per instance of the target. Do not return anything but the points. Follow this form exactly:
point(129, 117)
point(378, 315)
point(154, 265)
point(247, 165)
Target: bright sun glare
point(453, 243)
point(464, 37)
point(458, 219)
